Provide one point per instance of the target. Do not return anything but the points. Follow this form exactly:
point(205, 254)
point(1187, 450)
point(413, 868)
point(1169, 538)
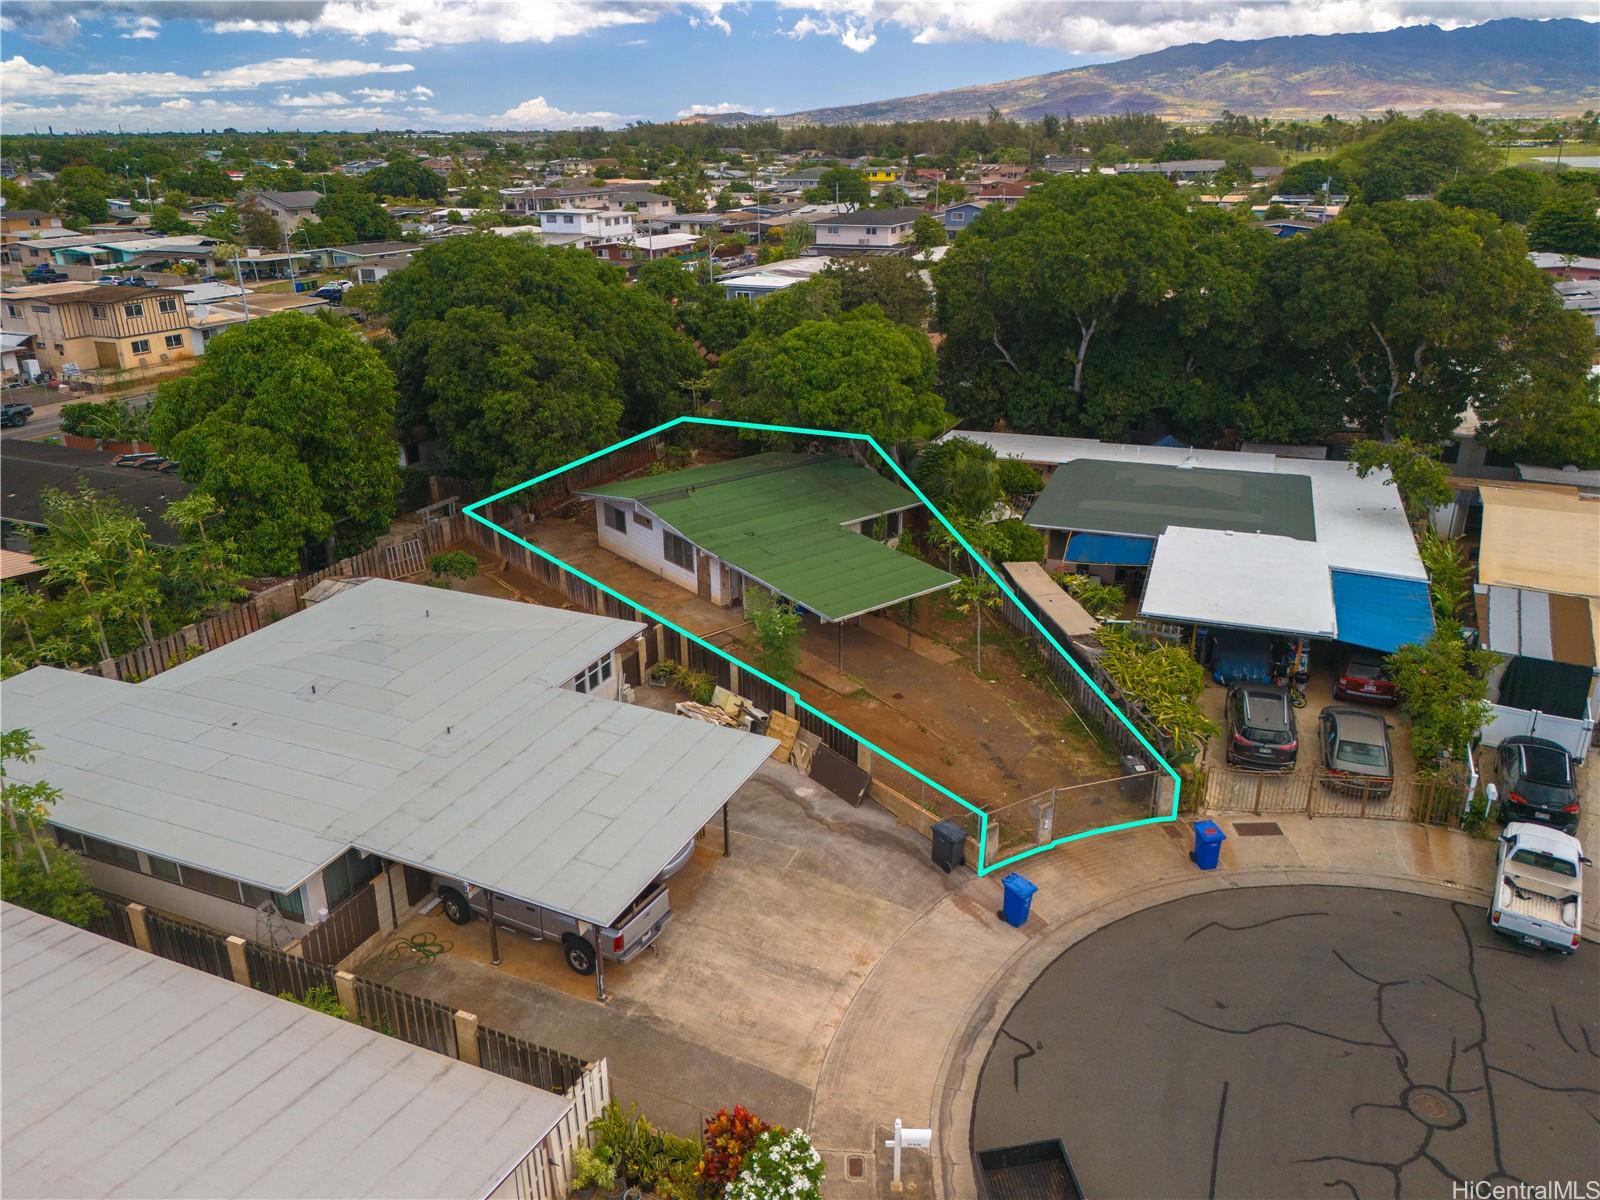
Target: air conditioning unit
point(166, 358)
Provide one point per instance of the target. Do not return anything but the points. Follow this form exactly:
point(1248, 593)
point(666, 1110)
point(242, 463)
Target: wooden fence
point(535, 1065)
point(390, 560)
point(414, 1019)
point(192, 945)
point(331, 940)
point(274, 971)
point(546, 1174)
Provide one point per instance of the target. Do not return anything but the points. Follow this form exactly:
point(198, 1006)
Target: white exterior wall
point(861, 235)
point(644, 546)
point(595, 223)
point(186, 902)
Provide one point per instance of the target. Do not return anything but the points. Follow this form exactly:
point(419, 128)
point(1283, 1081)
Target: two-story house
point(866, 231)
point(86, 327)
point(289, 209)
point(596, 225)
point(27, 222)
point(644, 204)
point(877, 175)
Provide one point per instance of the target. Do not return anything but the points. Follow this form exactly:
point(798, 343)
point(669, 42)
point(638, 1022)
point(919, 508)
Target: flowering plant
point(730, 1136)
point(783, 1165)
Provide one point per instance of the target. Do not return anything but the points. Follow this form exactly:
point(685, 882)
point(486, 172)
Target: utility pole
point(238, 275)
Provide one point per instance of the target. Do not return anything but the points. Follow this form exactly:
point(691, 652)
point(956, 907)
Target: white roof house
point(131, 1075)
point(431, 728)
point(1357, 577)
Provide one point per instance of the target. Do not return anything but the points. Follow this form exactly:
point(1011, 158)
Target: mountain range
point(1511, 66)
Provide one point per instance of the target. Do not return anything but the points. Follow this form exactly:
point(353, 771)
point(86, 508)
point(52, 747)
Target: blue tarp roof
point(1110, 550)
point(1379, 613)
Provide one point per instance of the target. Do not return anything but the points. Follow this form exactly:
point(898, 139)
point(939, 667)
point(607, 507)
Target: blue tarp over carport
point(1376, 612)
point(1110, 550)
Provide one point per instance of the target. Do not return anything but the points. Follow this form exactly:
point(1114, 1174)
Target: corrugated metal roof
point(426, 726)
point(1380, 613)
point(129, 1075)
point(1242, 580)
point(780, 518)
point(1540, 537)
point(1144, 499)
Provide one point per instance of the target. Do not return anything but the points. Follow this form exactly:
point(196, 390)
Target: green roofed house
point(812, 528)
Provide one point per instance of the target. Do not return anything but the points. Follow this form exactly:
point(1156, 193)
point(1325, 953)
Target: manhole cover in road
point(1433, 1107)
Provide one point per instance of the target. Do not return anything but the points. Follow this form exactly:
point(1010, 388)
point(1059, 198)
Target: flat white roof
point(1246, 580)
point(130, 1075)
point(426, 726)
point(1361, 525)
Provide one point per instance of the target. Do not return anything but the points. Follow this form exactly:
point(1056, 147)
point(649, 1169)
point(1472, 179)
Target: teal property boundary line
point(983, 817)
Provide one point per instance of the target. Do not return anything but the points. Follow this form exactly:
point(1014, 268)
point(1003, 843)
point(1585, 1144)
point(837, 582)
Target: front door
point(702, 570)
point(105, 355)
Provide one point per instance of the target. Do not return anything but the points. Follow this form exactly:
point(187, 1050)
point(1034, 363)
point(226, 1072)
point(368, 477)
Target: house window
point(135, 309)
point(958, 216)
point(33, 222)
point(60, 349)
point(592, 676)
point(219, 886)
point(163, 868)
point(142, 346)
point(678, 551)
point(40, 308)
point(871, 229)
point(833, 229)
point(12, 310)
point(167, 304)
point(640, 519)
point(616, 518)
point(97, 311)
point(174, 341)
point(344, 876)
point(287, 903)
point(110, 852)
point(70, 840)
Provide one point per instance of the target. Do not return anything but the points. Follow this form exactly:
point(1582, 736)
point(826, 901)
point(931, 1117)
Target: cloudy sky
point(449, 64)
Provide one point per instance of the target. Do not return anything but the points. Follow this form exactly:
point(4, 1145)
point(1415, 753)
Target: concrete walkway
point(913, 1039)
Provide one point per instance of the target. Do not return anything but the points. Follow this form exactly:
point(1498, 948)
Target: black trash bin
point(949, 845)
point(1135, 776)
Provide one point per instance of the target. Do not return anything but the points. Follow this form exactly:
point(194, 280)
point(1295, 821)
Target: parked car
point(1365, 677)
point(634, 931)
point(1261, 726)
point(1538, 783)
point(12, 415)
point(107, 280)
point(330, 293)
point(1356, 754)
point(44, 274)
point(1538, 892)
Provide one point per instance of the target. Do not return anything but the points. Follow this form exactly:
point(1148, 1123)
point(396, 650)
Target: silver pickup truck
point(1538, 892)
point(633, 931)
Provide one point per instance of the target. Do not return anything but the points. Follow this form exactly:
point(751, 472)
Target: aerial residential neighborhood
point(830, 602)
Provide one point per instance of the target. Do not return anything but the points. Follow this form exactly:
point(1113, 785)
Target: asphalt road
point(1303, 1041)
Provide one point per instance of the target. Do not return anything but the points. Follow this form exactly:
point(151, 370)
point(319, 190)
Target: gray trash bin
point(949, 845)
point(1135, 775)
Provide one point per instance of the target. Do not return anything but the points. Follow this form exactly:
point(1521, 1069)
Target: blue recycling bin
point(1018, 899)
point(1208, 839)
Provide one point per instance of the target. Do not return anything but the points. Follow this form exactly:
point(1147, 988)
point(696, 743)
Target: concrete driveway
point(1302, 1041)
point(739, 999)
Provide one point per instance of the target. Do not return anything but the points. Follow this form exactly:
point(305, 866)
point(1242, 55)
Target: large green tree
point(358, 211)
point(893, 284)
point(1412, 311)
point(1566, 225)
point(411, 180)
point(1024, 295)
point(1415, 155)
point(288, 422)
point(630, 327)
point(860, 373)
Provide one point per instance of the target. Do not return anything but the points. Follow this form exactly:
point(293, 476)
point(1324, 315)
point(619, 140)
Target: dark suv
point(1261, 726)
point(1538, 784)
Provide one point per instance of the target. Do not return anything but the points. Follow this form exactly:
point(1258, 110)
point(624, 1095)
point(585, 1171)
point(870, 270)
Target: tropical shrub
point(453, 564)
point(1165, 681)
point(1098, 599)
point(782, 1164)
point(729, 1139)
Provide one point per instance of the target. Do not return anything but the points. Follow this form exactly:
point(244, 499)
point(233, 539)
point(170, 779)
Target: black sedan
point(1538, 783)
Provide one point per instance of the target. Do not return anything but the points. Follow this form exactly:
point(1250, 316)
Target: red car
point(1366, 678)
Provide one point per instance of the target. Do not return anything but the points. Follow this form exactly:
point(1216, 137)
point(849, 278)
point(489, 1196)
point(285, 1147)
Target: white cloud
point(422, 93)
point(316, 100)
point(178, 105)
point(23, 78)
point(416, 24)
point(139, 28)
point(1122, 28)
point(710, 15)
point(637, 42)
point(707, 110)
point(380, 95)
point(538, 114)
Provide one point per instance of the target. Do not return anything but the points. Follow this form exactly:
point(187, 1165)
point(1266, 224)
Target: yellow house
point(91, 327)
point(28, 222)
point(883, 174)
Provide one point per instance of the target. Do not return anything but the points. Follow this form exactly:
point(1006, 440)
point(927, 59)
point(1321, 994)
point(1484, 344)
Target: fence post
point(733, 678)
point(467, 1037)
point(141, 931)
point(345, 984)
point(237, 960)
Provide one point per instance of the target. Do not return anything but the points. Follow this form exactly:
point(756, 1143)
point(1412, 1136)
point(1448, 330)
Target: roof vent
point(1188, 463)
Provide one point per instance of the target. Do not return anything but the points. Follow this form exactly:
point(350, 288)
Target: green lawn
point(1527, 154)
